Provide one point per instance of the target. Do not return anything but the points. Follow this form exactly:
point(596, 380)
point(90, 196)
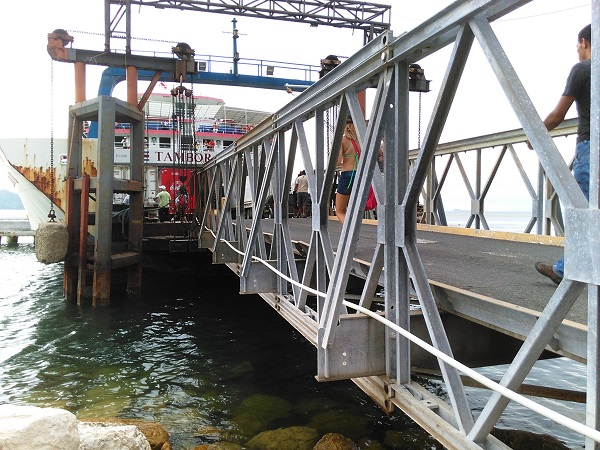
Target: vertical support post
point(136, 207)
point(128, 27)
point(240, 219)
point(593, 360)
point(83, 231)
point(69, 277)
point(396, 169)
point(132, 79)
point(107, 26)
point(541, 219)
point(79, 81)
point(478, 191)
point(73, 206)
point(282, 181)
point(104, 195)
point(236, 55)
point(320, 212)
point(429, 206)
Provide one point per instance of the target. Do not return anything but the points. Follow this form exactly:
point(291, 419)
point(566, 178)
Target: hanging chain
point(419, 133)
point(51, 213)
point(195, 143)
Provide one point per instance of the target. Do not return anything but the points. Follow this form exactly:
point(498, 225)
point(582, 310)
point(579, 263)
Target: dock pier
point(12, 229)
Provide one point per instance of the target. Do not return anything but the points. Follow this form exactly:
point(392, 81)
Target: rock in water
point(51, 242)
point(30, 427)
point(106, 436)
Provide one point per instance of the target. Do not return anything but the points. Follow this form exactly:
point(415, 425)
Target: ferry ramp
point(383, 301)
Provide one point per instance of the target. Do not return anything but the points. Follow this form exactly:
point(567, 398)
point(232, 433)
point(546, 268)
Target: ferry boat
point(37, 168)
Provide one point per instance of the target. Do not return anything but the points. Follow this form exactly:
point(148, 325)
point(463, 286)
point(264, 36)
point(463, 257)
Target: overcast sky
point(539, 38)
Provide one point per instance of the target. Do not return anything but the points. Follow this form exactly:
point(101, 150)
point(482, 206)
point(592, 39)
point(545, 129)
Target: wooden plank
point(125, 259)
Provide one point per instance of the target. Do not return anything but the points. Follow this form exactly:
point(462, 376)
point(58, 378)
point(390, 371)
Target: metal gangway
point(355, 337)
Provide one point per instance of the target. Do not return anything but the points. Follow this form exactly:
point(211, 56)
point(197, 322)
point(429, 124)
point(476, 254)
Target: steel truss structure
point(311, 296)
point(372, 18)
point(546, 213)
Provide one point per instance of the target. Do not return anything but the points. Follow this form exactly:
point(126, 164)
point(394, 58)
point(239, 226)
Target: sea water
point(205, 362)
point(512, 221)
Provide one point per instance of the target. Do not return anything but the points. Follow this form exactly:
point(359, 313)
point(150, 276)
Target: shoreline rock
point(32, 427)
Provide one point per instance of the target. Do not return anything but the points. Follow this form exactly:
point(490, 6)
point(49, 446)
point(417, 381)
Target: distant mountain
point(9, 200)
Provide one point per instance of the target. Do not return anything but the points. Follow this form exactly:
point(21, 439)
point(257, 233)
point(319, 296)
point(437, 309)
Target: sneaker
point(548, 271)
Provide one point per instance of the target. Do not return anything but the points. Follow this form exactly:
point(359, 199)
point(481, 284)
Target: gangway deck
point(494, 264)
point(493, 283)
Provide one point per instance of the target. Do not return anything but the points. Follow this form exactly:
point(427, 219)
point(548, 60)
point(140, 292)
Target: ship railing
point(260, 67)
point(224, 129)
point(249, 66)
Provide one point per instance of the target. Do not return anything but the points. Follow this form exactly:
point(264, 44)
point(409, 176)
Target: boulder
point(526, 440)
point(292, 438)
point(30, 427)
point(256, 412)
point(219, 446)
point(51, 242)
point(106, 436)
point(335, 441)
point(155, 434)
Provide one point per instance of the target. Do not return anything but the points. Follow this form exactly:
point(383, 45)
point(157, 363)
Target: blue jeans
point(581, 171)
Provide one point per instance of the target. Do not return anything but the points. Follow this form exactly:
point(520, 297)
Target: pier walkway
point(498, 265)
point(12, 229)
point(444, 302)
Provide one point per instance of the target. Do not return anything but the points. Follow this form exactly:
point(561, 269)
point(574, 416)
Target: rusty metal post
point(104, 201)
point(362, 101)
point(136, 207)
point(83, 231)
point(69, 278)
point(132, 79)
point(79, 81)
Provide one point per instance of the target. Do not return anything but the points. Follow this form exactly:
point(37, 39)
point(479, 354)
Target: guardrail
point(546, 215)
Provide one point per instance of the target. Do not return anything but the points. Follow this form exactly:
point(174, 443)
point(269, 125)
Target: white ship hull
point(27, 166)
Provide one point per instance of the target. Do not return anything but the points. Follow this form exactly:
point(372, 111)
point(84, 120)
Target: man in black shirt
point(578, 90)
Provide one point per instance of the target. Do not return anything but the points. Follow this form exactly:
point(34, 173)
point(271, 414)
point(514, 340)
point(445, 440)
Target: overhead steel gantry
point(372, 18)
point(310, 288)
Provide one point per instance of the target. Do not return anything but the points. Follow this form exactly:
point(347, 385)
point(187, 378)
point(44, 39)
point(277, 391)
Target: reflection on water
point(192, 354)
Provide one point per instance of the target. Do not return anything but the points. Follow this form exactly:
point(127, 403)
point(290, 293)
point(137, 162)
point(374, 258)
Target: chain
point(419, 133)
point(51, 213)
point(133, 38)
